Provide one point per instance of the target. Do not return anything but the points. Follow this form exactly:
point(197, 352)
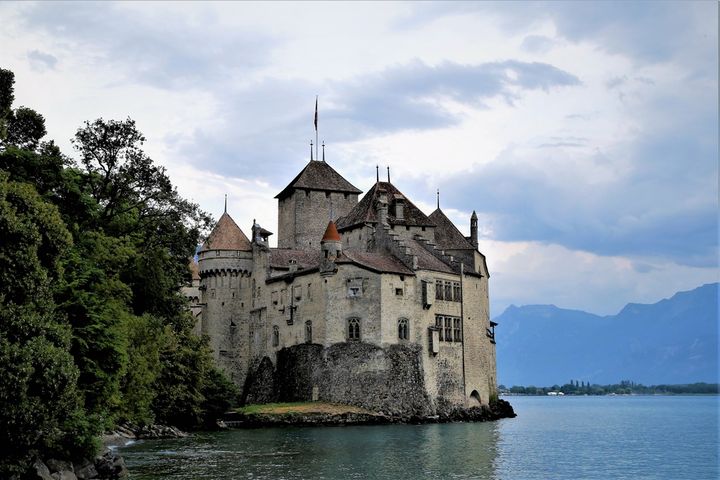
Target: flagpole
point(316, 128)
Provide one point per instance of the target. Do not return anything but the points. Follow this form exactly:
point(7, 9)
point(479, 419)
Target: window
point(274, 297)
point(448, 291)
point(403, 329)
point(457, 330)
point(438, 290)
point(355, 287)
point(308, 331)
point(297, 291)
point(399, 292)
point(439, 326)
point(354, 329)
point(457, 293)
point(276, 336)
point(448, 329)
point(309, 296)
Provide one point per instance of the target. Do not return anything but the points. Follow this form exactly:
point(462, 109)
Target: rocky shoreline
point(497, 410)
point(109, 465)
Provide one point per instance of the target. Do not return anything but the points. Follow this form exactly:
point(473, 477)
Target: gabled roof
point(426, 260)
point(280, 258)
point(318, 175)
point(447, 235)
point(364, 211)
point(226, 236)
point(383, 262)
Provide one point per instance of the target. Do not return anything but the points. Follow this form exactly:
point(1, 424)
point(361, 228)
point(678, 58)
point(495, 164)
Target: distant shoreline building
point(367, 302)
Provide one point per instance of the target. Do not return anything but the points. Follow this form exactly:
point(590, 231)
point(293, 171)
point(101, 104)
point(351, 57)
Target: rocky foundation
point(498, 409)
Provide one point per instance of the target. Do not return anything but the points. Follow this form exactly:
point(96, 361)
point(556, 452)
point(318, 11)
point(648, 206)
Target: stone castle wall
point(304, 215)
point(388, 379)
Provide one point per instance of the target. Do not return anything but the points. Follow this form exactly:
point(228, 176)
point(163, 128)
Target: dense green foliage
point(623, 388)
point(93, 329)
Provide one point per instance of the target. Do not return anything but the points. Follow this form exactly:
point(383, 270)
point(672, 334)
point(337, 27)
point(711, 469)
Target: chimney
point(399, 207)
point(381, 207)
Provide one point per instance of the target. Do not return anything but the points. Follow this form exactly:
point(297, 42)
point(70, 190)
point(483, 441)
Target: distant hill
point(671, 341)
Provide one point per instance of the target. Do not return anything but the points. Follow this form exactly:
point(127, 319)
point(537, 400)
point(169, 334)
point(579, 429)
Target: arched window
point(403, 329)
point(354, 329)
point(276, 336)
point(308, 331)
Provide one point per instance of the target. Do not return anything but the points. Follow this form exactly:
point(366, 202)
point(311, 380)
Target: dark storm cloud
point(665, 206)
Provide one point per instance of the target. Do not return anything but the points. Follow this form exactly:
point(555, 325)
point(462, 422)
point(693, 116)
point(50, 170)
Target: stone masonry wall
point(304, 215)
point(389, 380)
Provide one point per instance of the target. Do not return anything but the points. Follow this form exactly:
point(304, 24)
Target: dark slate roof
point(226, 236)
point(378, 262)
point(364, 211)
point(318, 175)
point(447, 235)
point(280, 258)
point(426, 260)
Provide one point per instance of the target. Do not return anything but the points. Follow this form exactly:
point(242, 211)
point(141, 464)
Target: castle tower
point(225, 262)
point(315, 194)
point(474, 229)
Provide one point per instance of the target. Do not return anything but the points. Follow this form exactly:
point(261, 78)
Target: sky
point(584, 134)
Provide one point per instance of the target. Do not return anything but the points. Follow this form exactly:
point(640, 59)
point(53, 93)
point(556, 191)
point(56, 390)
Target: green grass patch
point(298, 407)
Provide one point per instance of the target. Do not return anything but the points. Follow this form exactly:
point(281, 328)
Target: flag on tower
point(316, 102)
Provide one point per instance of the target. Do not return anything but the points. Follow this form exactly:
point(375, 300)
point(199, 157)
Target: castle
point(367, 302)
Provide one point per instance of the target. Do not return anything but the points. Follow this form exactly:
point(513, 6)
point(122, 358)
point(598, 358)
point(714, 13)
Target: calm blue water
point(552, 438)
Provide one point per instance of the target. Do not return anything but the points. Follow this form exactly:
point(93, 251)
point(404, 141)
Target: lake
point(653, 437)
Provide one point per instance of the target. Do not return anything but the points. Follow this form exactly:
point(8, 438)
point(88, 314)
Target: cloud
point(527, 273)
point(165, 48)
point(652, 195)
point(261, 137)
point(41, 61)
point(685, 32)
point(537, 44)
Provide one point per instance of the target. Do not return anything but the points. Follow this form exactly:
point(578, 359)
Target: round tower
point(225, 262)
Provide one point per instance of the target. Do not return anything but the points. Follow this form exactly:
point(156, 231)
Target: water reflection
point(387, 452)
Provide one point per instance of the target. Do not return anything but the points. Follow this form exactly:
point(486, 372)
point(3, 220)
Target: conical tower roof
point(331, 233)
point(227, 236)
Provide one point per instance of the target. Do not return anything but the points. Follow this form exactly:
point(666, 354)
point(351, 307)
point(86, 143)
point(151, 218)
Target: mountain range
point(672, 341)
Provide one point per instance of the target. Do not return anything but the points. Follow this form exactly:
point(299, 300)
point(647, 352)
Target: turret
point(225, 262)
point(474, 229)
point(331, 243)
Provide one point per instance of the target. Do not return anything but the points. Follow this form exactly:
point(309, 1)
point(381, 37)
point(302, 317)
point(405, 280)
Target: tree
point(40, 406)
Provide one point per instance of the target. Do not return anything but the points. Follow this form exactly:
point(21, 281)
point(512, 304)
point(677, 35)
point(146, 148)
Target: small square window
point(399, 292)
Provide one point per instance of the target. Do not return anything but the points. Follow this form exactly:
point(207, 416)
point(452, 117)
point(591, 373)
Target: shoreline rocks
point(109, 465)
point(497, 410)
